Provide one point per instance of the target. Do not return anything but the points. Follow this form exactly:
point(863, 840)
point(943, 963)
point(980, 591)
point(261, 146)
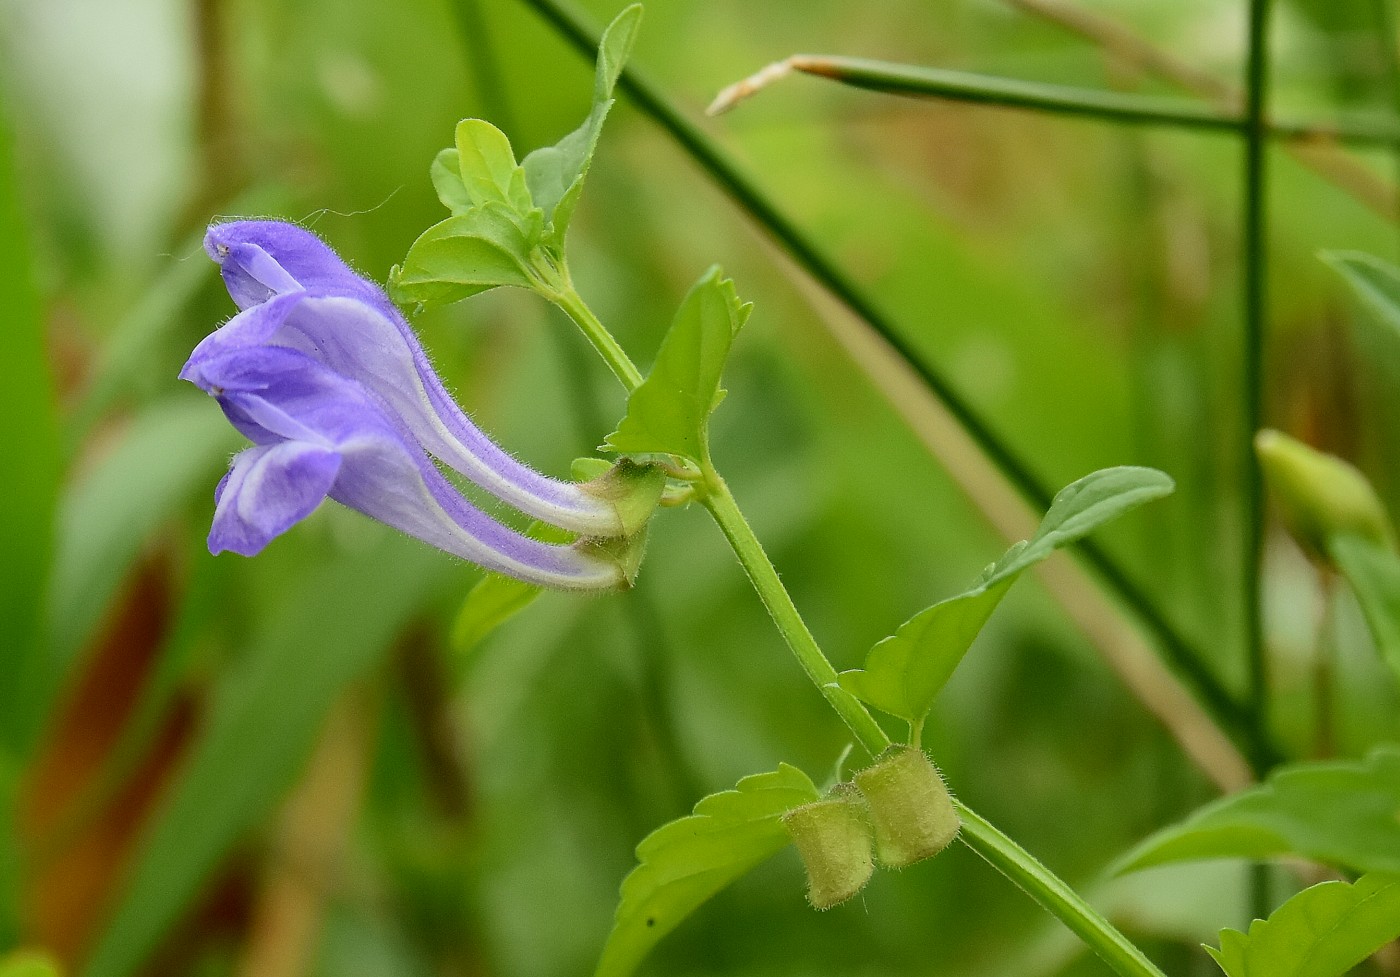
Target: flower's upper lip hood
point(262, 258)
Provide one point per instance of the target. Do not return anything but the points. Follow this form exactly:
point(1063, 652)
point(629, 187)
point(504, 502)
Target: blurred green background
point(283, 766)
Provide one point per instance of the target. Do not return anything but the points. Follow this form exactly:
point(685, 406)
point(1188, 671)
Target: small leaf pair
point(509, 220)
point(905, 672)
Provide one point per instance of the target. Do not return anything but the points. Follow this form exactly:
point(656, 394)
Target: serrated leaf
point(446, 174)
point(488, 169)
point(555, 174)
point(1374, 575)
point(1376, 282)
point(669, 412)
point(685, 862)
point(484, 248)
point(1341, 813)
point(905, 672)
point(1323, 931)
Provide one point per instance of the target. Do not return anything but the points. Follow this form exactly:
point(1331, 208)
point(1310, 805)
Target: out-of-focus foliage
point(161, 708)
point(1339, 813)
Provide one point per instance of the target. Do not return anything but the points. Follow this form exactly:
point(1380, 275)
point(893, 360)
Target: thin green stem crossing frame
point(1233, 715)
point(999, 850)
point(1254, 244)
point(918, 81)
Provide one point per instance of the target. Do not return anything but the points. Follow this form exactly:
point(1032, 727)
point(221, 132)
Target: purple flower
point(318, 434)
point(294, 291)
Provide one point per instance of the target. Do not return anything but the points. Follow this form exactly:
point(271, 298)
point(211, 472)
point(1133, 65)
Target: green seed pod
point(1320, 495)
point(833, 837)
point(910, 807)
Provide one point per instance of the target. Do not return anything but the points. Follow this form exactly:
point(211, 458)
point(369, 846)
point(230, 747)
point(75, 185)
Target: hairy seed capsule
point(833, 837)
point(910, 808)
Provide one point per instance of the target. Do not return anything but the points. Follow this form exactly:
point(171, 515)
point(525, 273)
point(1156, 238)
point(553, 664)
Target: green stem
point(1007, 857)
point(1255, 302)
point(1385, 31)
point(1053, 895)
point(568, 299)
point(919, 81)
point(1004, 854)
point(961, 86)
point(720, 502)
point(1255, 243)
point(1180, 652)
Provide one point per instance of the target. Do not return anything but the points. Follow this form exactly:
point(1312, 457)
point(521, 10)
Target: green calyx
point(632, 490)
point(833, 836)
point(1320, 496)
point(910, 809)
point(625, 551)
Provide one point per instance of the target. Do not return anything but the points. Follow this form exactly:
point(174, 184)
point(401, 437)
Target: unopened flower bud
point(910, 808)
point(833, 837)
point(1320, 495)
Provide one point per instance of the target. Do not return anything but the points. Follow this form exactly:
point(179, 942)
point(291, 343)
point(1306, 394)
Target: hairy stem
point(1009, 858)
point(721, 505)
point(920, 81)
point(1053, 895)
point(568, 299)
point(1182, 653)
point(1003, 854)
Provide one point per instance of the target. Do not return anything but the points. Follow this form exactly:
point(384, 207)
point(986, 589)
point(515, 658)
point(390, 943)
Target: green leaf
point(494, 600)
point(905, 672)
point(484, 248)
point(446, 174)
point(488, 168)
point(669, 412)
point(1323, 931)
point(1376, 282)
point(555, 173)
point(1374, 574)
point(29, 466)
point(11, 914)
point(497, 598)
point(1340, 813)
point(170, 452)
point(684, 863)
point(263, 722)
point(29, 963)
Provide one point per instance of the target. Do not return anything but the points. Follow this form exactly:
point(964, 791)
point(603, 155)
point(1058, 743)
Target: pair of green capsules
point(897, 810)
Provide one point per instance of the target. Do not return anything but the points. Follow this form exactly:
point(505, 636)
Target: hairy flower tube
point(317, 434)
point(294, 291)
